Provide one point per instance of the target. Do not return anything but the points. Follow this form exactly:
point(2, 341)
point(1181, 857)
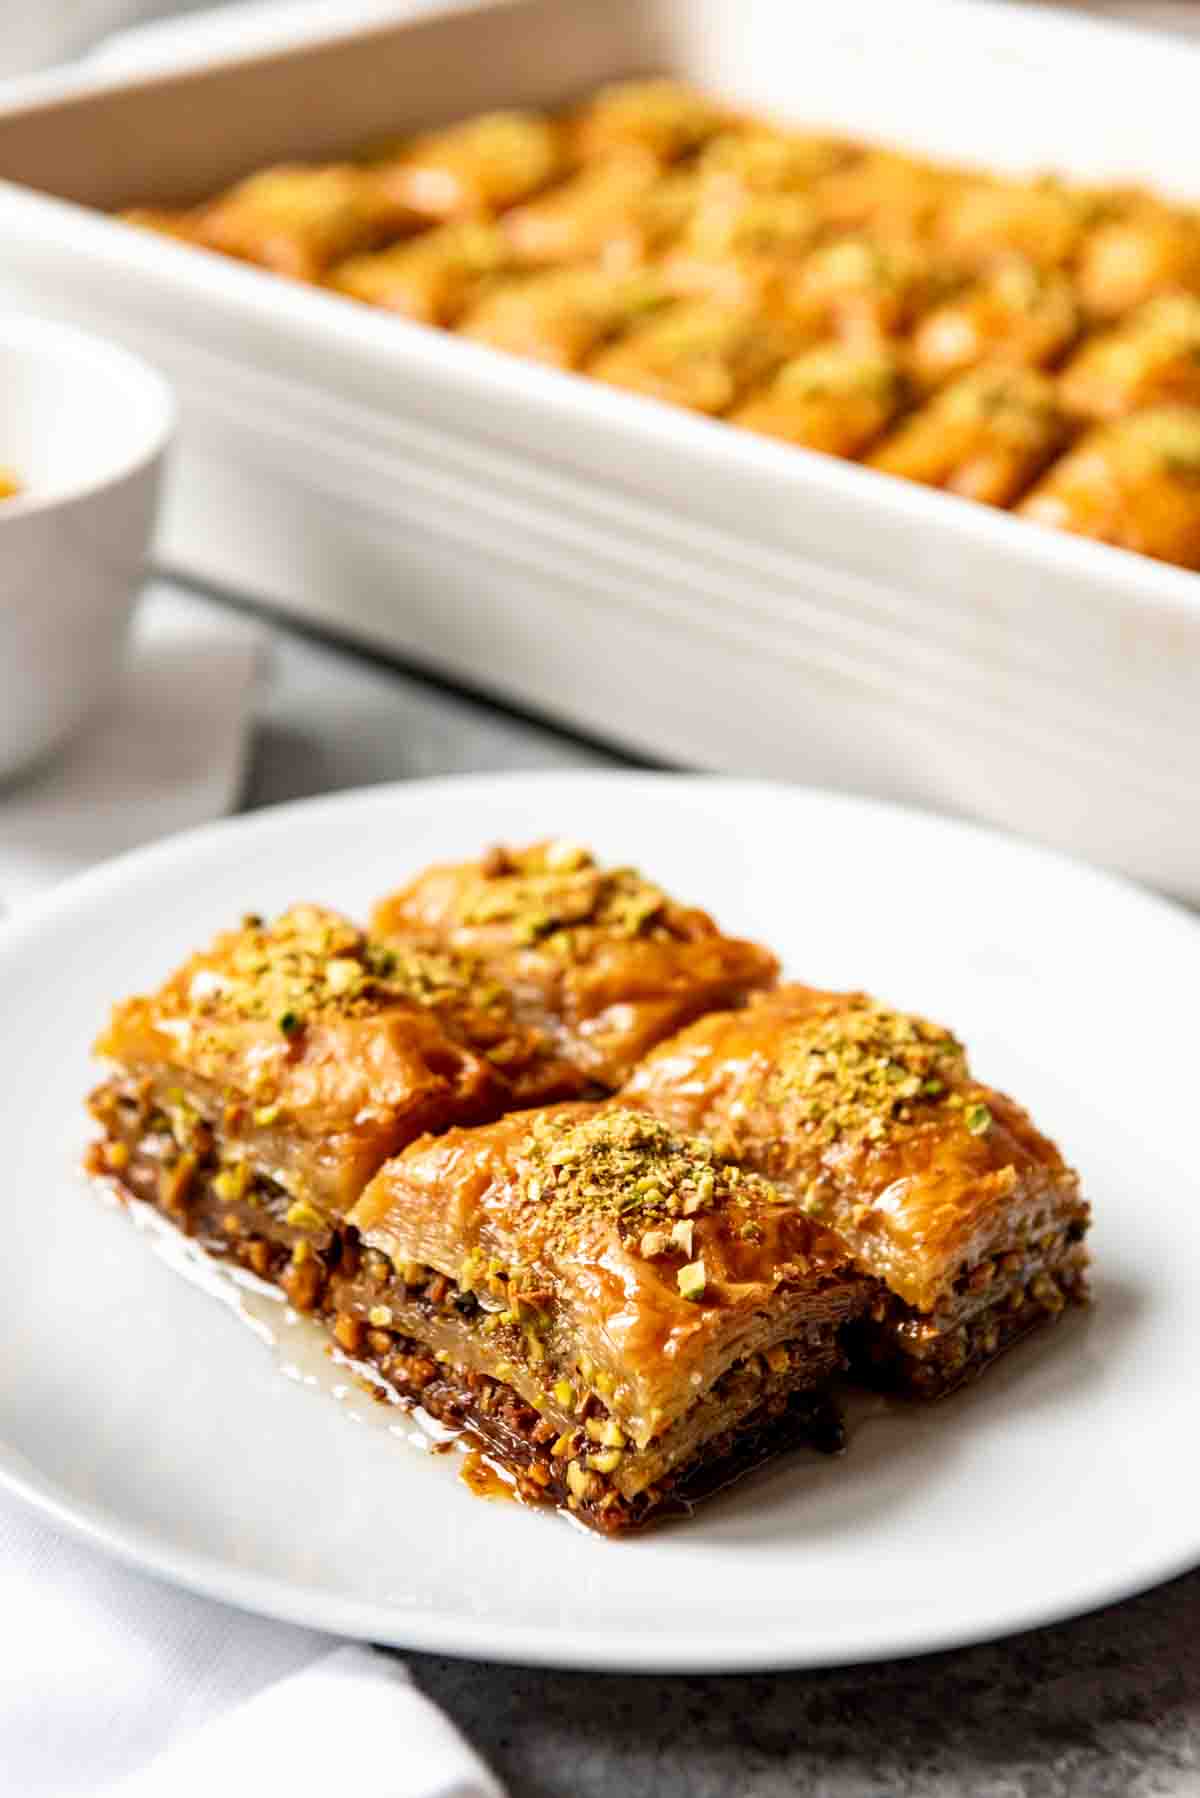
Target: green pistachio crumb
point(692, 1280)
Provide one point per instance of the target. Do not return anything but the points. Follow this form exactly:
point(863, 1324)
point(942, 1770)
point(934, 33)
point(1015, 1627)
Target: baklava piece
point(1016, 313)
point(435, 278)
point(1150, 249)
point(265, 1082)
point(10, 486)
point(863, 290)
point(602, 960)
point(698, 355)
point(1152, 358)
point(621, 1320)
point(758, 161)
point(740, 249)
point(835, 399)
point(661, 116)
point(890, 196)
point(1134, 483)
point(562, 316)
point(473, 169)
point(987, 436)
point(298, 220)
point(942, 1188)
point(990, 219)
point(600, 214)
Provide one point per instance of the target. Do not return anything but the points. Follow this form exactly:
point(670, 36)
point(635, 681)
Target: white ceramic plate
point(136, 1409)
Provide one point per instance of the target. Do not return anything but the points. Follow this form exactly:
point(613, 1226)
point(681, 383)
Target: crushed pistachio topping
point(555, 889)
point(310, 960)
point(692, 1280)
point(634, 1169)
point(1169, 434)
point(977, 1119)
point(1018, 405)
point(857, 1073)
point(303, 1216)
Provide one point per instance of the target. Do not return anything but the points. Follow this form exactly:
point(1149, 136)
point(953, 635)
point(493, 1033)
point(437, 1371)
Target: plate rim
point(631, 1651)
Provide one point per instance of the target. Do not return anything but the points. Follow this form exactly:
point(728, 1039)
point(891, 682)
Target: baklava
point(600, 959)
point(660, 241)
point(1134, 483)
point(621, 1319)
point(435, 278)
point(1151, 359)
point(257, 1091)
point(1015, 313)
point(945, 1192)
point(835, 399)
point(697, 354)
point(987, 436)
point(299, 221)
point(473, 169)
point(562, 316)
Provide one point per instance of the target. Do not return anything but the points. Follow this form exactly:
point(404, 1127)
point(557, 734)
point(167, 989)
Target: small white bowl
point(83, 427)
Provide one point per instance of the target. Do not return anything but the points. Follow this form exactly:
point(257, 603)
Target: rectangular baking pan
point(676, 585)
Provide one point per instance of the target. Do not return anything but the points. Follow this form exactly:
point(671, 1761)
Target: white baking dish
point(665, 580)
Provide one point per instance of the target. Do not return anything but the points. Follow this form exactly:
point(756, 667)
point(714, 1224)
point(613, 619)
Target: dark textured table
point(1107, 1706)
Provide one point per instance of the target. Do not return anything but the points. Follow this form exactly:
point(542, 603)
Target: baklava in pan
point(660, 241)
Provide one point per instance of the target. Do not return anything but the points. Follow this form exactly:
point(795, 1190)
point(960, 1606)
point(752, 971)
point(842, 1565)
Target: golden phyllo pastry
point(1015, 313)
point(602, 959)
point(942, 1188)
point(290, 1059)
point(985, 437)
point(741, 249)
point(623, 1319)
point(562, 316)
point(1147, 250)
point(473, 169)
point(990, 219)
point(836, 398)
point(584, 217)
point(434, 278)
point(298, 220)
point(1152, 358)
point(892, 196)
point(697, 354)
point(663, 117)
point(758, 161)
point(1134, 483)
point(864, 290)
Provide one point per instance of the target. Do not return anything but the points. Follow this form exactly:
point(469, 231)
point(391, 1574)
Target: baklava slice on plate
point(943, 1189)
point(601, 959)
point(622, 1321)
point(255, 1094)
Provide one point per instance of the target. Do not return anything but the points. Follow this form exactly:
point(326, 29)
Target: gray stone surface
point(1105, 1707)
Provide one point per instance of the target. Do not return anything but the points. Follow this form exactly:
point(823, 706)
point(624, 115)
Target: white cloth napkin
point(111, 1684)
